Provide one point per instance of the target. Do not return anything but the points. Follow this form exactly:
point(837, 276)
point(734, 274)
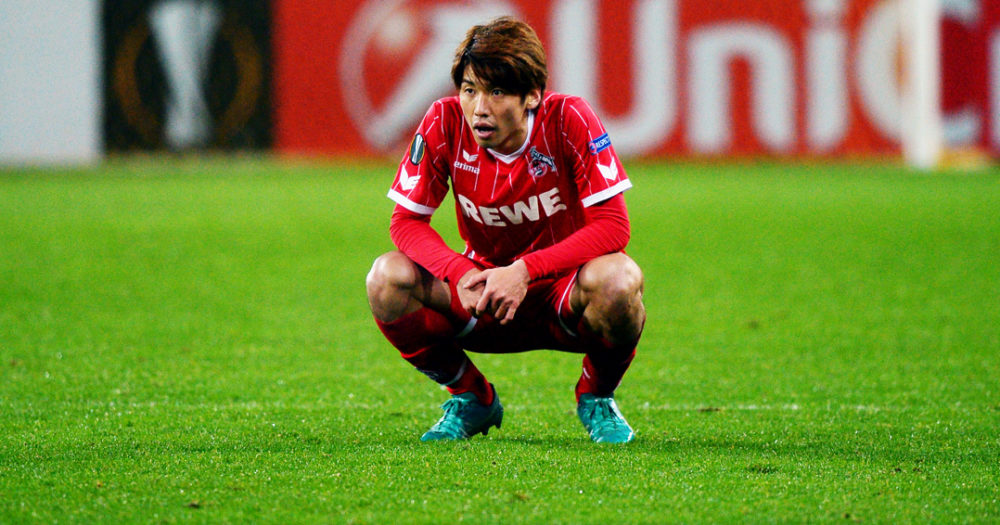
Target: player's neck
point(509, 158)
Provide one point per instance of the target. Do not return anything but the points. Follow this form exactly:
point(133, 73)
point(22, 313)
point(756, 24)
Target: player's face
point(499, 120)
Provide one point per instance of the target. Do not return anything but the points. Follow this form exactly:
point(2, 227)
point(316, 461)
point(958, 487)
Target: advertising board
point(668, 77)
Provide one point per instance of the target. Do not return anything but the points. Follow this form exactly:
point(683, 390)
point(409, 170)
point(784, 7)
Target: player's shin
point(425, 338)
point(603, 372)
point(604, 364)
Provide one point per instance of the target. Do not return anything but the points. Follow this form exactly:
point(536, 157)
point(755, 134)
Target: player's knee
point(614, 288)
point(627, 281)
point(616, 278)
point(391, 273)
point(623, 301)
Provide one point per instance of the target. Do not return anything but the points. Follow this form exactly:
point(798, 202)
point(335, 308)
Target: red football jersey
point(511, 205)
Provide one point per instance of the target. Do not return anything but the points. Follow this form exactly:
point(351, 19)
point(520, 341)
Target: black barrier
point(186, 74)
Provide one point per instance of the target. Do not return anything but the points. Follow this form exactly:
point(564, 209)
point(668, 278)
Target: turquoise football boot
point(464, 417)
point(602, 419)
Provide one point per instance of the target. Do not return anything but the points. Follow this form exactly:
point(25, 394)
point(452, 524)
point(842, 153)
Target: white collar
point(510, 158)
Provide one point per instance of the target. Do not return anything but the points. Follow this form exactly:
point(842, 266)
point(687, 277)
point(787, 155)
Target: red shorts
point(544, 320)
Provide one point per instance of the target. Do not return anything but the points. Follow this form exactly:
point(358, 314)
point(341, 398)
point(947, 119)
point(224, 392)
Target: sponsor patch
point(417, 147)
point(599, 144)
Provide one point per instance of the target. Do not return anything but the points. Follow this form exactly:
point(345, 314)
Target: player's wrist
point(459, 268)
point(530, 272)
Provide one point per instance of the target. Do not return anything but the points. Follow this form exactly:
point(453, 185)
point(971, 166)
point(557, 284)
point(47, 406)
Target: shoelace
point(451, 422)
point(604, 417)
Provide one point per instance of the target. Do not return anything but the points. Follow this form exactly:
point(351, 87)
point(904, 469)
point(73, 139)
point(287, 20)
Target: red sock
point(604, 365)
point(602, 379)
point(472, 380)
point(425, 338)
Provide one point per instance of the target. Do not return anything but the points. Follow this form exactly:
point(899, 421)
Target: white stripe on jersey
point(408, 204)
point(606, 194)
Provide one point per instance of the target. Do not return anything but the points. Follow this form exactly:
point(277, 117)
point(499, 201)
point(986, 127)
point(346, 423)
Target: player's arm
point(413, 235)
point(420, 185)
point(607, 231)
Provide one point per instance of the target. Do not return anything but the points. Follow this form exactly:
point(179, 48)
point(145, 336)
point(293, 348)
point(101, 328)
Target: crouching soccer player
point(538, 189)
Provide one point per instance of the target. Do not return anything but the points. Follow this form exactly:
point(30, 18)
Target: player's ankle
point(483, 390)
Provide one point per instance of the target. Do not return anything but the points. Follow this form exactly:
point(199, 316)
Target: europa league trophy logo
point(184, 32)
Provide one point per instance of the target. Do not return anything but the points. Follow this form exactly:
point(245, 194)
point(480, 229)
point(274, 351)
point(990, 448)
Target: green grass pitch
point(188, 340)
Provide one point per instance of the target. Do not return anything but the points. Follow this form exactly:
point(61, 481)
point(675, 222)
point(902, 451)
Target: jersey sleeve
point(597, 170)
point(421, 181)
point(412, 233)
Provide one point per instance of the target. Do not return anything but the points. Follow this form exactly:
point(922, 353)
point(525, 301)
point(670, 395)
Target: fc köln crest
point(539, 163)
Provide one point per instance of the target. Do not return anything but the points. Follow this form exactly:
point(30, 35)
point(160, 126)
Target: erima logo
point(469, 158)
point(467, 167)
point(531, 210)
point(609, 172)
point(599, 144)
point(539, 163)
point(406, 181)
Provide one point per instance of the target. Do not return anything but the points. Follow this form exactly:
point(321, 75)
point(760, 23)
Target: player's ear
point(534, 98)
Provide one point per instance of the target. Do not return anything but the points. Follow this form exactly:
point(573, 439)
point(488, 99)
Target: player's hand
point(470, 295)
point(504, 290)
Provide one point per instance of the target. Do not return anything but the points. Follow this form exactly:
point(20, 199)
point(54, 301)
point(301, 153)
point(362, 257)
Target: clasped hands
point(496, 291)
